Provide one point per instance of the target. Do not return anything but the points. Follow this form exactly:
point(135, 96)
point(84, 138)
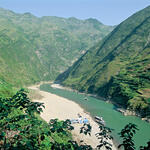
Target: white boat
point(86, 98)
point(99, 120)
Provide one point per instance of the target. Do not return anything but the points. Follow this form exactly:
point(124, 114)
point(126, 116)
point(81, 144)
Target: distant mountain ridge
point(118, 67)
point(34, 49)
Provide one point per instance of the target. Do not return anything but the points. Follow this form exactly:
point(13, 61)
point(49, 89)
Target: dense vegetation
point(118, 67)
point(6, 90)
point(21, 128)
point(34, 49)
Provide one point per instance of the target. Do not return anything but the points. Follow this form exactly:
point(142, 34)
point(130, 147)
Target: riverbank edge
point(59, 86)
point(114, 142)
point(119, 108)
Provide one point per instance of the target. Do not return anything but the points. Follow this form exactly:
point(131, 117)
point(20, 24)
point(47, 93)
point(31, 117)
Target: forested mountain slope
point(119, 66)
point(34, 49)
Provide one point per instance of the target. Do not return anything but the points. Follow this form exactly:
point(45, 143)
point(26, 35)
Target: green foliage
point(104, 136)
point(118, 67)
point(146, 147)
point(86, 129)
point(35, 49)
point(18, 123)
point(127, 134)
point(6, 90)
point(60, 126)
point(20, 128)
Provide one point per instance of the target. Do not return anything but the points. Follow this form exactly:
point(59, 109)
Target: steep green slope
point(6, 90)
point(119, 66)
point(34, 49)
point(19, 63)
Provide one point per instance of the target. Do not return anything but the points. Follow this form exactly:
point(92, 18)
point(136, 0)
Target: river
point(114, 119)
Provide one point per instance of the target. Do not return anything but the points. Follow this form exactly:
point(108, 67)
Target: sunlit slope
point(119, 66)
point(34, 49)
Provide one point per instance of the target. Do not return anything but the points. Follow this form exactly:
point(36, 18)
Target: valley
point(117, 68)
point(36, 49)
point(104, 68)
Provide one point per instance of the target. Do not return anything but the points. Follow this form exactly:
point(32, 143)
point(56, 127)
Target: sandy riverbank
point(61, 108)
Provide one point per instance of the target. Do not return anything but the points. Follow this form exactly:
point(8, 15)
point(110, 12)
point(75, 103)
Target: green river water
point(113, 118)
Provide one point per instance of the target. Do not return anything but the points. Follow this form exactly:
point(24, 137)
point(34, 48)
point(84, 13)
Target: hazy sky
point(110, 12)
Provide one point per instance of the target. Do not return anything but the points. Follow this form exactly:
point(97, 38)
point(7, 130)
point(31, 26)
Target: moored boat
point(99, 120)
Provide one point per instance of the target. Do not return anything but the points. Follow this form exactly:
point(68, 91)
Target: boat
point(86, 98)
point(99, 120)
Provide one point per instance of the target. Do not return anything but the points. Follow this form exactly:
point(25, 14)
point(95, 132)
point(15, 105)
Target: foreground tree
point(21, 129)
point(146, 147)
point(127, 134)
point(104, 136)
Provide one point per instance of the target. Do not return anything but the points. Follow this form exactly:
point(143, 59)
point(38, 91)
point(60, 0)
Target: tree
point(146, 147)
point(18, 123)
point(127, 134)
point(105, 136)
point(21, 129)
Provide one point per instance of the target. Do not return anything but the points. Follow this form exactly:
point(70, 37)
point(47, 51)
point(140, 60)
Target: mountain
point(118, 67)
point(6, 89)
point(34, 49)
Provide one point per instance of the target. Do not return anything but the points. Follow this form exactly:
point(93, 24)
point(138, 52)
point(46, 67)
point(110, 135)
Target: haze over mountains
point(34, 49)
point(118, 67)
